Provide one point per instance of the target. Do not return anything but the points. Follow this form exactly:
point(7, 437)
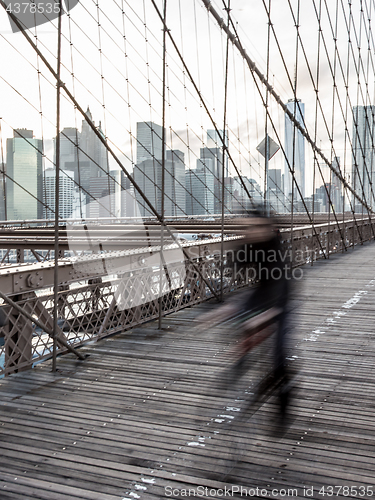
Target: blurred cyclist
point(262, 308)
point(266, 301)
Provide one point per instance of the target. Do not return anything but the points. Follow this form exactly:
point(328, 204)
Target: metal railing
point(104, 293)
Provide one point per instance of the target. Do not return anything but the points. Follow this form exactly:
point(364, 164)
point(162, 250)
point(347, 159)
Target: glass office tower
point(24, 185)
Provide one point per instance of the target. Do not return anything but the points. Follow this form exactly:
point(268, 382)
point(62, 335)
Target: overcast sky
point(117, 70)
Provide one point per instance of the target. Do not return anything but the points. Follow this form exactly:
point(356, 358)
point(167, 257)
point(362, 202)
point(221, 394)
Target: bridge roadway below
point(118, 425)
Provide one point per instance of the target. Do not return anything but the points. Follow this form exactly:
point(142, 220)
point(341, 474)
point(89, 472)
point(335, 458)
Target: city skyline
point(123, 91)
point(188, 191)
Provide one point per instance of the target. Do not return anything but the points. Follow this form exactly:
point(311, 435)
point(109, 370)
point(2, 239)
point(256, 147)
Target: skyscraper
point(69, 143)
point(275, 190)
point(149, 141)
point(337, 196)
point(241, 200)
point(363, 166)
point(214, 138)
point(66, 193)
point(129, 205)
point(92, 156)
point(149, 161)
point(105, 196)
point(25, 168)
point(174, 180)
point(211, 159)
point(294, 150)
point(148, 172)
point(200, 198)
point(84, 154)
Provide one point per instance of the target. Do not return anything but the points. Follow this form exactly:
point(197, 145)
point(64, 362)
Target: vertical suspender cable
point(224, 156)
point(372, 201)
point(294, 137)
point(342, 187)
point(41, 119)
point(4, 199)
point(57, 187)
point(110, 195)
point(364, 144)
point(354, 140)
point(266, 118)
point(316, 127)
point(331, 206)
point(163, 138)
point(346, 186)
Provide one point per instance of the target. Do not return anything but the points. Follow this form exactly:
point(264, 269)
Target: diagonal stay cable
point(95, 69)
point(102, 139)
point(318, 102)
point(239, 46)
point(315, 85)
point(253, 67)
point(357, 70)
point(108, 59)
point(346, 85)
point(348, 100)
point(330, 135)
point(200, 97)
point(303, 125)
point(291, 167)
point(255, 70)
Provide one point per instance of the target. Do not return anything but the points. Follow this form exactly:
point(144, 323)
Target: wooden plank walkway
point(118, 425)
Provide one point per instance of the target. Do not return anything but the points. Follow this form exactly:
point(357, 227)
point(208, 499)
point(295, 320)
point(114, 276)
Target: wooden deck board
point(118, 425)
